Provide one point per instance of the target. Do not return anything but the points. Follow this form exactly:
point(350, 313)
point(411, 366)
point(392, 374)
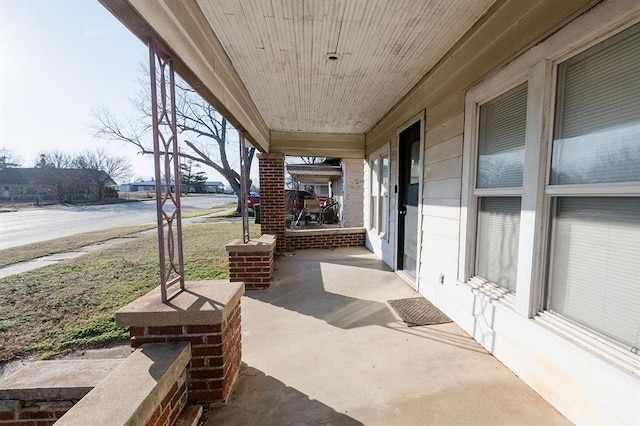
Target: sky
point(60, 61)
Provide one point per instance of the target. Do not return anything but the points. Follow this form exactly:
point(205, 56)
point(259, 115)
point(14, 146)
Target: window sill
point(610, 351)
point(491, 291)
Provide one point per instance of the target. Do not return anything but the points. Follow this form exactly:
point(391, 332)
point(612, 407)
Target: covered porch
point(323, 346)
point(401, 91)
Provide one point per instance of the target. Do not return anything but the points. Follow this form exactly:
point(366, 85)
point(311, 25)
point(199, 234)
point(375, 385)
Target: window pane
point(597, 135)
point(384, 194)
point(374, 193)
point(595, 271)
point(501, 139)
point(498, 236)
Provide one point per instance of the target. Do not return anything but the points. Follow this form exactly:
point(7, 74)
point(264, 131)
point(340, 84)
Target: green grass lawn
point(71, 305)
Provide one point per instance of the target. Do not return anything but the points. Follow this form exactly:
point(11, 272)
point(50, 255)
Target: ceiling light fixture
point(333, 56)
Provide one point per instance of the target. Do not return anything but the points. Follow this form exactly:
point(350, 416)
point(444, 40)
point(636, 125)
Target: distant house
point(141, 186)
point(323, 179)
point(214, 187)
point(14, 182)
point(48, 183)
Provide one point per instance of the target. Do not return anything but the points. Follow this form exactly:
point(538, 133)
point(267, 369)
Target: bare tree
point(115, 166)
point(88, 172)
point(55, 159)
point(205, 133)
point(8, 159)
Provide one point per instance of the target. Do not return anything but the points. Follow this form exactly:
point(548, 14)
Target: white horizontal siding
point(447, 228)
point(445, 131)
point(444, 150)
point(446, 169)
point(447, 208)
point(446, 188)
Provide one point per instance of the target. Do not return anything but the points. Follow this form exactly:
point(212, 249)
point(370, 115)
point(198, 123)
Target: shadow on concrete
point(314, 283)
point(301, 285)
point(335, 309)
point(258, 398)
point(436, 333)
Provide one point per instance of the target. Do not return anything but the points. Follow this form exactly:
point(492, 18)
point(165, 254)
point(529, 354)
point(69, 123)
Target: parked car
point(252, 199)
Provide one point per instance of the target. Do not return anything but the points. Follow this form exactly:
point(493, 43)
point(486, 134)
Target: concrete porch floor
point(323, 347)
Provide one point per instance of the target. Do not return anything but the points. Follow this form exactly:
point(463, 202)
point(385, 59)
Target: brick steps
point(190, 416)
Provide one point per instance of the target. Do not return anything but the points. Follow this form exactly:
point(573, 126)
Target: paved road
point(40, 224)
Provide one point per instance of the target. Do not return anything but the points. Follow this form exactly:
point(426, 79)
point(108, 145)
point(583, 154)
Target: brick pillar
point(252, 262)
point(212, 328)
point(272, 199)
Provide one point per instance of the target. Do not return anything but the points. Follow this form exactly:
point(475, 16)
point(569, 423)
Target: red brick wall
point(41, 413)
point(171, 405)
point(254, 268)
point(216, 352)
point(325, 240)
point(272, 199)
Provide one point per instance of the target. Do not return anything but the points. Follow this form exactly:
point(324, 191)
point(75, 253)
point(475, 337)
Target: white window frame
point(593, 340)
point(529, 194)
point(539, 67)
point(375, 223)
point(478, 193)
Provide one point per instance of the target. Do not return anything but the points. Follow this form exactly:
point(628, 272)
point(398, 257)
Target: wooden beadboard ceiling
point(279, 49)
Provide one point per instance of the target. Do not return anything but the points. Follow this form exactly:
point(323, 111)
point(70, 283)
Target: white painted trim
point(410, 122)
point(378, 154)
point(497, 192)
point(366, 207)
point(419, 117)
point(468, 202)
point(420, 198)
point(528, 291)
point(594, 189)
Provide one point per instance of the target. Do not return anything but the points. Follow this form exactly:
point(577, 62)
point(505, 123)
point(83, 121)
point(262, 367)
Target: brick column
point(252, 263)
point(272, 199)
point(208, 316)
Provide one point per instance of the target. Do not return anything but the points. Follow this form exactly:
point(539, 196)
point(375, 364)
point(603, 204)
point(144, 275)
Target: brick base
point(325, 238)
point(252, 263)
point(172, 404)
point(216, 352)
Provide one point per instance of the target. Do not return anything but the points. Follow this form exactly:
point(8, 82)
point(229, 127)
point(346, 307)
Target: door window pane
point(498, 239)
point(501, 139)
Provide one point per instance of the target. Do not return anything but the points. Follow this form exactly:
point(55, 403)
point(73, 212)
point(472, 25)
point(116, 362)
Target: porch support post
point(167, 169)
point(272, 198)
point(244, 190)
